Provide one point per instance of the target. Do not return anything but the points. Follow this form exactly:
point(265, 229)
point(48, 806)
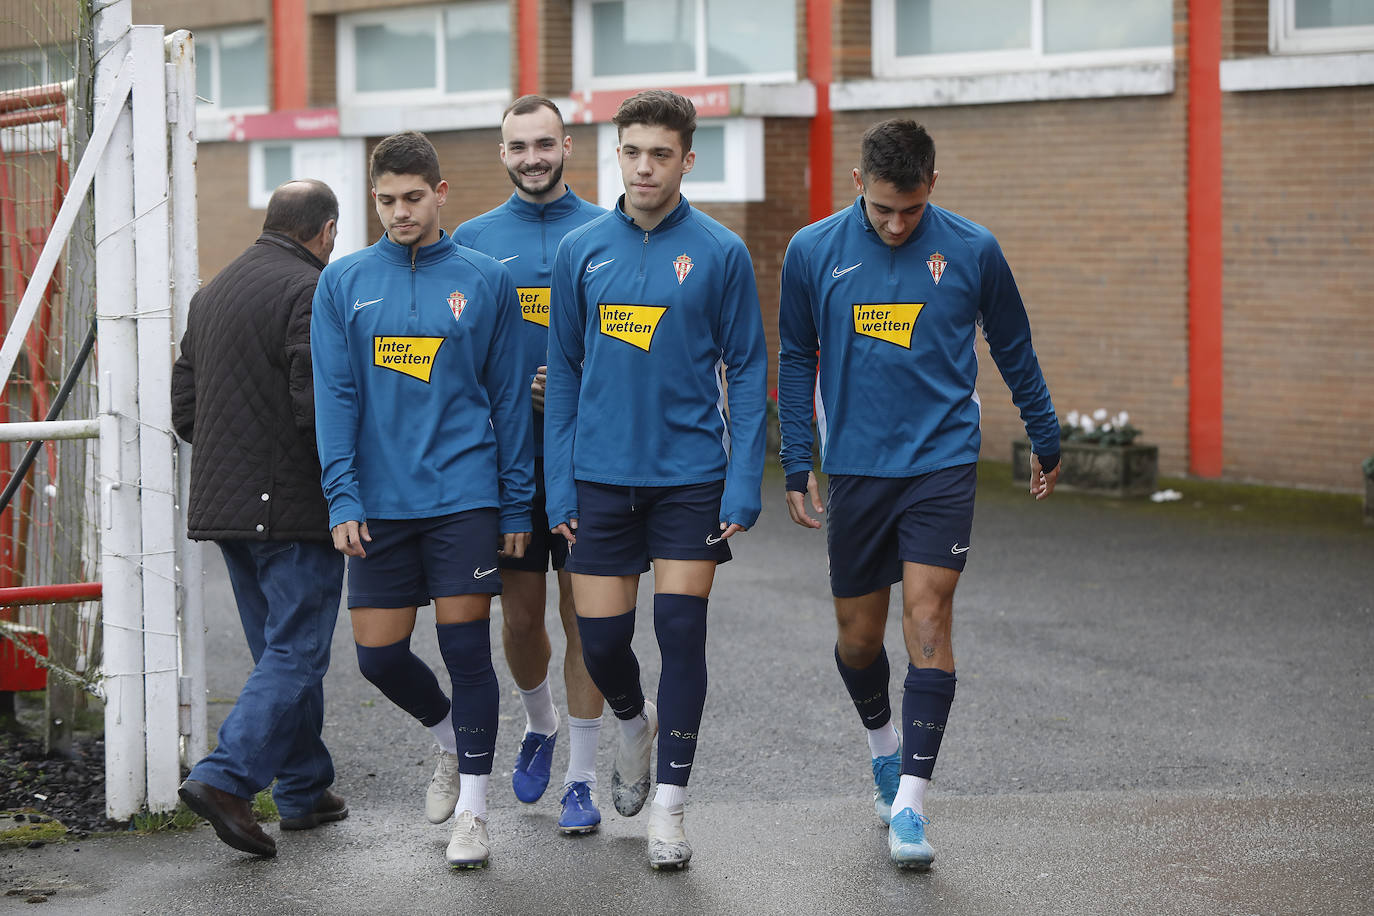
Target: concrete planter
point(1113, 470)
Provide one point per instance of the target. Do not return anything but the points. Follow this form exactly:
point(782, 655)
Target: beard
point(552, 179)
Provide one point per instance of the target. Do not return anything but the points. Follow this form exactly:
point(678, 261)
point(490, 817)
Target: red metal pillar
point(1205, 344)
point(290, 66)
point(527, 46)
point(821, 70)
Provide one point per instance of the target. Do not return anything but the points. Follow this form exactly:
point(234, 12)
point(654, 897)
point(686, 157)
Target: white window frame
point(213, 36)
point(348, 178)
point(347, 72)
point(582, 60)
point(1286, 38)
point(887, 64)
point(744, 165)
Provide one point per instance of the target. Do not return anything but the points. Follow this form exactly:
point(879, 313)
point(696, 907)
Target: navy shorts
point(546, 549)
point(877, 523)
point(619, 529)
point(411, 560)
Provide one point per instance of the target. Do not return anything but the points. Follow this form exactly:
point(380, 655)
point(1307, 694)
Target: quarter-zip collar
point(402, 254)
point(861, 214)
point(553, 210)
point(675, 216)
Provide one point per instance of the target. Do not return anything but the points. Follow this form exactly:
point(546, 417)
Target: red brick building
point(1182, 187)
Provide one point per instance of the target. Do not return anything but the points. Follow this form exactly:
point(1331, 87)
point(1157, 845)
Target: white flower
point(1086, 424)
point(1100, 414)
point(1106, 427)
point(1123, 418)
point(1072, 418)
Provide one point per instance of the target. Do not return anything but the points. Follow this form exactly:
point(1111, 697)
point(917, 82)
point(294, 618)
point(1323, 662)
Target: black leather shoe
point(231, 816)
point(329, 807)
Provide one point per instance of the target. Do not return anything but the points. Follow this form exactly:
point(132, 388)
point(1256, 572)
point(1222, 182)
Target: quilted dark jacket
point(242, 393)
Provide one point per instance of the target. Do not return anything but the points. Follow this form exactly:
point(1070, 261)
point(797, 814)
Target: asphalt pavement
point(1162, 709)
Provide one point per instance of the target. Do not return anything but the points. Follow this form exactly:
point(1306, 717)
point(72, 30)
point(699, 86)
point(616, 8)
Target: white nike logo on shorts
point(712, 541)
point(956, 549)
point(479, 572)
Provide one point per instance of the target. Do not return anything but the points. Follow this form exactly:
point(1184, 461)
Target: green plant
point(1098, 428)
point(1369, 467)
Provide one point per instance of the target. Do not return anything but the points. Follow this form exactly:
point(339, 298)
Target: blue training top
point(895, 330)
point(641, 325)
point(524, 237)
point(421, 393)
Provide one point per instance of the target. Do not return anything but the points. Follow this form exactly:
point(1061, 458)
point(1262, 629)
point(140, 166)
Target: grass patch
point(16, 834)
point(183, 818)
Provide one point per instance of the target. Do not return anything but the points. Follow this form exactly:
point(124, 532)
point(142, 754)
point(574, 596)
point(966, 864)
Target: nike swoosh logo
point(837, 273)
point(592, 267)
point(872, 717)
point(358, 305)
point(478, 572)
point(471, 754)
point(919, 757)
point(711, 541)
point(511, 258)
point(677, 766)
point(956, 549)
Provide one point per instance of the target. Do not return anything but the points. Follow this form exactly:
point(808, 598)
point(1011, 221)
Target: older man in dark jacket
point(242, 392)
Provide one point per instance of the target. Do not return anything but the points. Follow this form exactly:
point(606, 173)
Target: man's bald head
point(300, 209)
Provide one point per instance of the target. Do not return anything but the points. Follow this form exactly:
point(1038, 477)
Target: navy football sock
point(680, 625)
point(466, 648)
point(611, 661)
point(868, 688)
point(404, 680)
point(928, 694)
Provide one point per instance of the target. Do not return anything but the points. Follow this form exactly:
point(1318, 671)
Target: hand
point(514, 545)
point(1042, 484)
point(796, 503)
point(349, 537)
point(728, 530)
point(568, 529)
point(538, 386)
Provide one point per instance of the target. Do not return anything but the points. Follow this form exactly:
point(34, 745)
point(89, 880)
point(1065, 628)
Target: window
point(231, 68)
point(940, 37)
point(618, 43)
point(728, 167)
point(430, 54)
point(1303, 26)
point(22, 68)
point(338, 162)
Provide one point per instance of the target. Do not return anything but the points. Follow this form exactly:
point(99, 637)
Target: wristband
point(1048, 462)
point(796, 481)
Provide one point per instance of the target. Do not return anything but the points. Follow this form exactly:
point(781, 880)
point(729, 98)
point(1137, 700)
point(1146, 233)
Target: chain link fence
point(49, 520)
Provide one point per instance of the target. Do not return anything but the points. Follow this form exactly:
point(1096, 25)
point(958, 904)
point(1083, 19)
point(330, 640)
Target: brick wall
point(225, 224)
point(1086, 200)
point(1299, 326)
point(555, 47)
point(852, 39)
point(1245, 28)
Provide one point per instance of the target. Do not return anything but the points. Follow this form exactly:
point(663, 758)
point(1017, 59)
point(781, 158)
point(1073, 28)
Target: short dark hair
point(528, 104)
point(898, 151)
point(658, 108)
point(300, 208)
point(406, 153)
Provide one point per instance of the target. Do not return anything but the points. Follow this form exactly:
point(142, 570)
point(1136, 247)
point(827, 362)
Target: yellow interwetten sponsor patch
point(634, 324)
point(889, 321)
point(413, 356)
point(534, 304)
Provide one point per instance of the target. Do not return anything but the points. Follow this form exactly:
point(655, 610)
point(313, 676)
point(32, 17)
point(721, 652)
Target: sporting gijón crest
point(456, 303)
point(936, 262)
point(682, 266)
